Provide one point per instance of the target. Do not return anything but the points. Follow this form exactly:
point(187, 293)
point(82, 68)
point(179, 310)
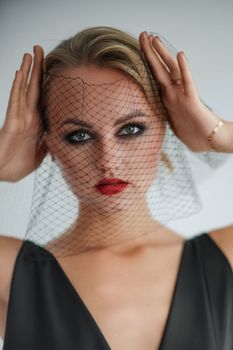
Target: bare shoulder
point(9, 249)
point(223, 237)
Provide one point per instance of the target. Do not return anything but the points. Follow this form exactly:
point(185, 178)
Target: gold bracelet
point(210, 137)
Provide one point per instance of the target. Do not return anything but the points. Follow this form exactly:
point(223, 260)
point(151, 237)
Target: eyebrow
point(77, 121)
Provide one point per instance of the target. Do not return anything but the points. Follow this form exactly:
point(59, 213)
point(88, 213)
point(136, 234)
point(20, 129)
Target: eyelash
point(69, 136)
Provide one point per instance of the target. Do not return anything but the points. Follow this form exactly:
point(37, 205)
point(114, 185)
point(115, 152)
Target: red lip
point(111, 186)
point(106, 181)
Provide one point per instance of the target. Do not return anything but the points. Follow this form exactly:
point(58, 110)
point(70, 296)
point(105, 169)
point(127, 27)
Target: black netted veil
point(150, 178)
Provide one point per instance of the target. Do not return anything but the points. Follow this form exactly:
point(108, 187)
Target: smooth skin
point(192, 122)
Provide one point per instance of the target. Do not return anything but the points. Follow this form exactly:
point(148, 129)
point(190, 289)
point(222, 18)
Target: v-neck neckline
point(89, 314)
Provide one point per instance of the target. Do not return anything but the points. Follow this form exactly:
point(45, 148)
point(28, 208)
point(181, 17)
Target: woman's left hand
point(191, 121)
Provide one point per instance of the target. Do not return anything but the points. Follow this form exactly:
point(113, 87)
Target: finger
point(157, 54)
point(167, 57)
point(15, 96)
point(25, 68)
point(158, 69)
point(188, 83)
point(33, 91)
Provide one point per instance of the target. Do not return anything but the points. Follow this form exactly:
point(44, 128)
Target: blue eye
point(78, 136)
point(131, 127)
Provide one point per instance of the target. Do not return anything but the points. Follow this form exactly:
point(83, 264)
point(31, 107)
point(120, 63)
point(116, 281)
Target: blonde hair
point(105, 47)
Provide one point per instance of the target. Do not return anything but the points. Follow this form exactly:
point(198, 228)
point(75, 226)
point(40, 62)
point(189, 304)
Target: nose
point(109, 155)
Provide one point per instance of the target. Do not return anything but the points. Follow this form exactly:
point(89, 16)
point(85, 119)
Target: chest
point(130, 307)
point(133, 321)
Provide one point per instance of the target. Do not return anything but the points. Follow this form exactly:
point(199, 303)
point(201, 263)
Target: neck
point(95, 230)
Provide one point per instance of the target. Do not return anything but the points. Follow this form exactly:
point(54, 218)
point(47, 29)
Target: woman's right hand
point(19, 152)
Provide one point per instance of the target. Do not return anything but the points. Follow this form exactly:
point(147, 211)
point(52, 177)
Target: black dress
point(46, 313)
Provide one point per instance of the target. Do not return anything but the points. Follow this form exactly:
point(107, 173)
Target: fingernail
point(157, 37)
point(182, 52)
point(26, 54)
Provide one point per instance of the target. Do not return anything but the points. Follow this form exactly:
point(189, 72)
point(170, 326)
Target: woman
point(116, 278)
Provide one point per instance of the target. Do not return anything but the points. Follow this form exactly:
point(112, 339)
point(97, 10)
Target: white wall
point(203, 29)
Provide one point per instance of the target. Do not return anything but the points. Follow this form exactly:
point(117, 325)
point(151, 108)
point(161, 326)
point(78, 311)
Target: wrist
point(221, 138)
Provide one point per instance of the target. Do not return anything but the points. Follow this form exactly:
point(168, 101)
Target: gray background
point(203, 29)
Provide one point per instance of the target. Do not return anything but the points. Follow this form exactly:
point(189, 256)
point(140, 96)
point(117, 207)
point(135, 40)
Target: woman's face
point(101, 126)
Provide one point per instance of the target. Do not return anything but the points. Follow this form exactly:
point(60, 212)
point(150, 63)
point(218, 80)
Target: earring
point(167, 162)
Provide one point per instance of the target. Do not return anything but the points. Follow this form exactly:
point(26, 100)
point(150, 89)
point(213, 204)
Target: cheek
point(150, 147)
point(149, 155)
point(78, 168)
point(75, 164)
point(147, 163)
